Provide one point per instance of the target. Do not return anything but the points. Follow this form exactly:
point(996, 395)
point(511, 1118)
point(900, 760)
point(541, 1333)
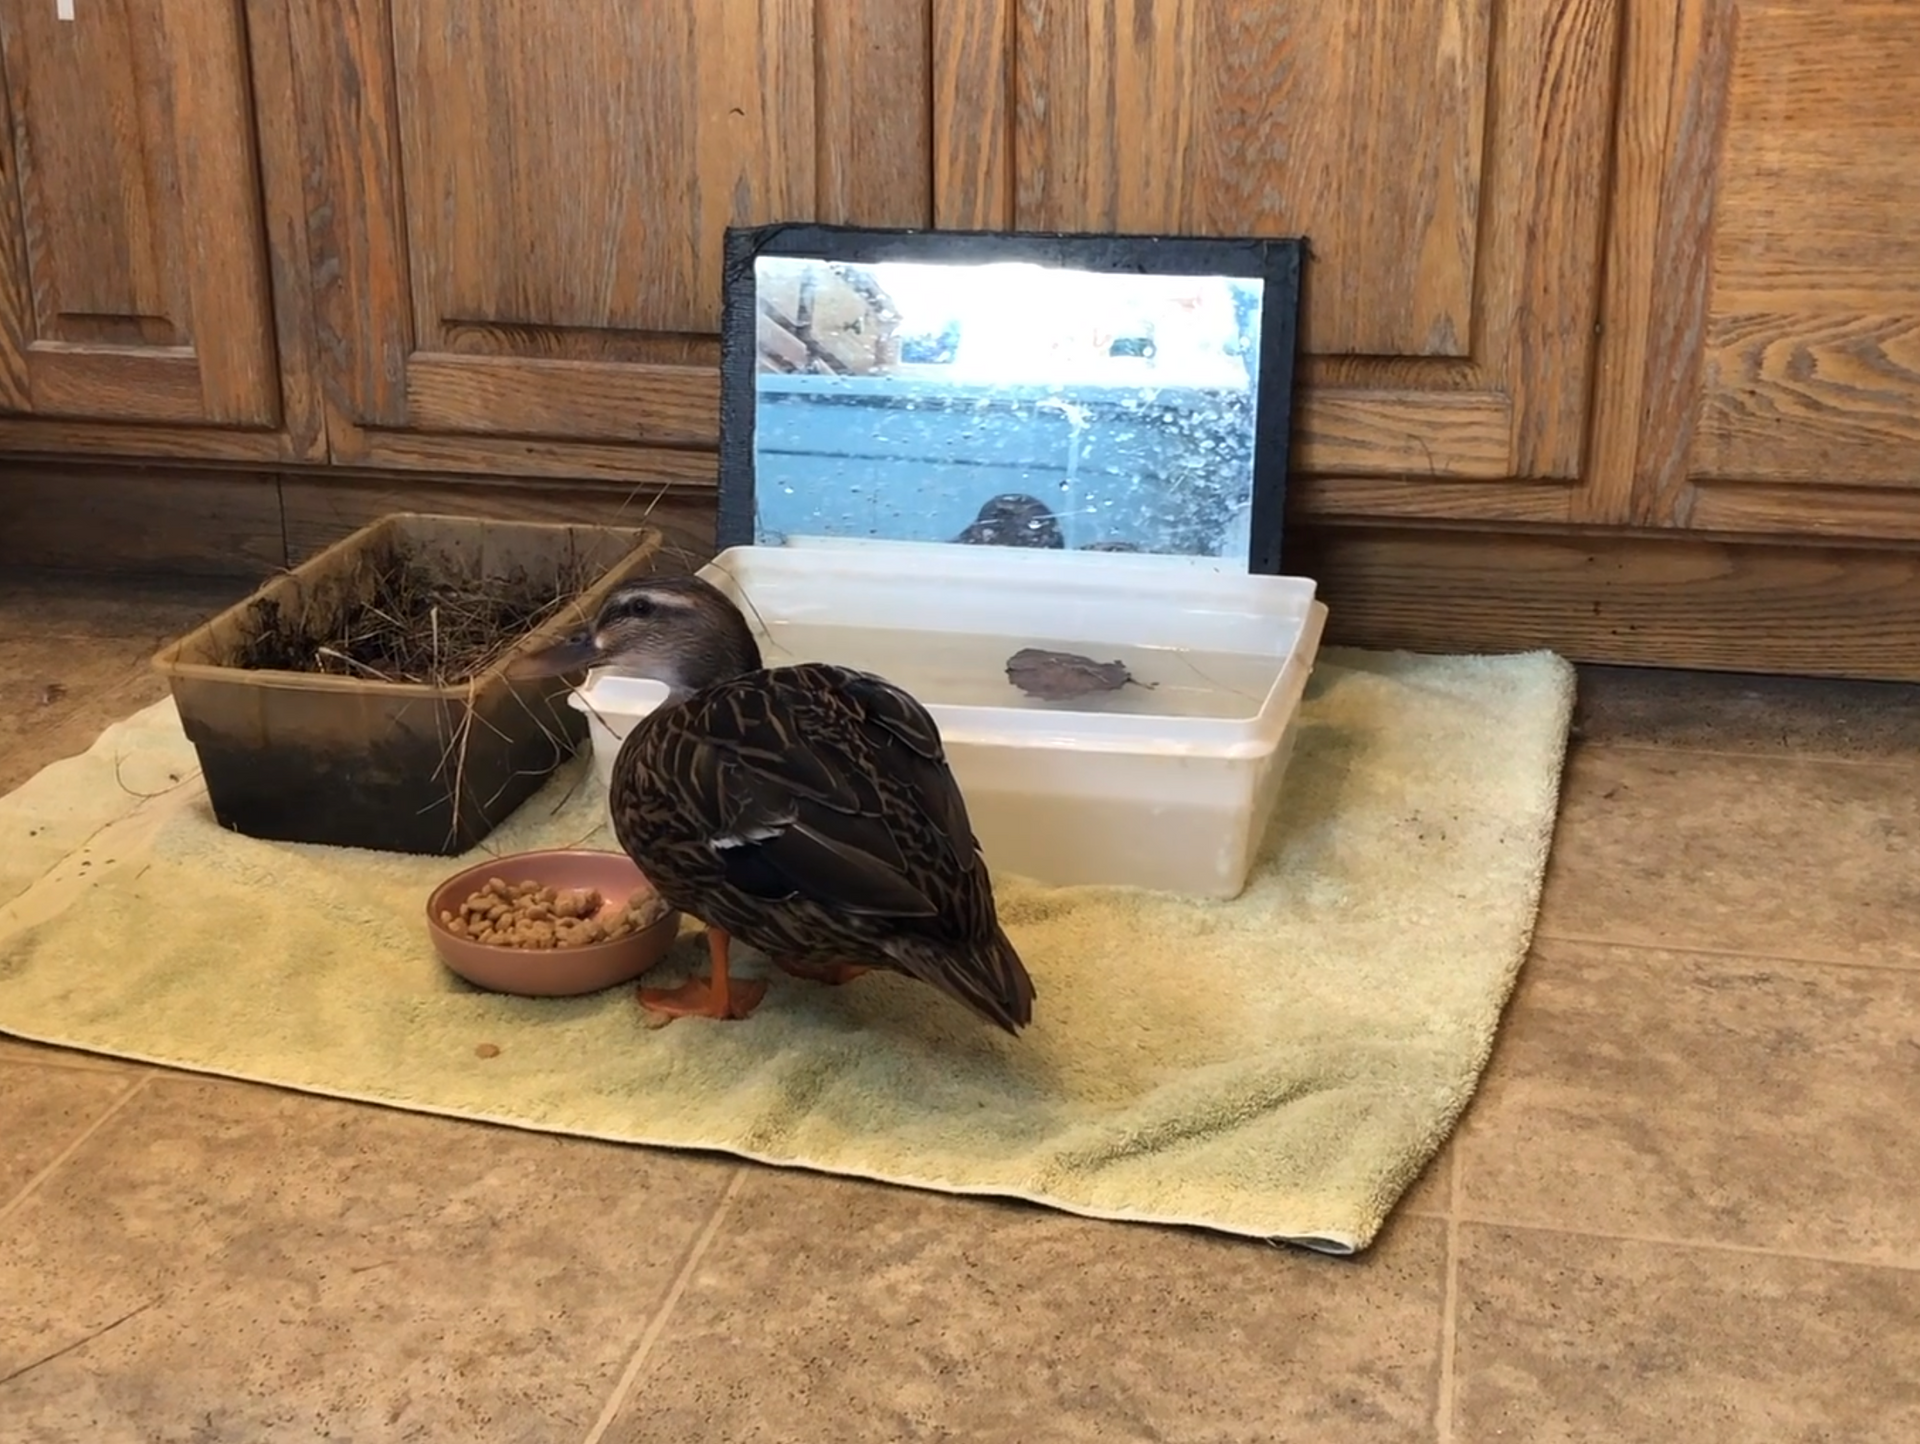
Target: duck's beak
point(560, 659)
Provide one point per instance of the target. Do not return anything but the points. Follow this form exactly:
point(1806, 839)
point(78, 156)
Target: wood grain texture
point(1782, 383)
point(972, 116)
point(1311, 498)
point(1431, 435)
point(1817, 173)
point(873, 117)
point(188, 521)
point(17, 321)
point(1811, 397)
point(1359, 126)
point(250, 523)
point(1811, 368)
point(1412, 433)
point(136, 235)
point(459, 402)
point(546, 185)
point(1668, 600)
point(481, 395)
point(303, 429)
point(321, 510)
point(1414, 168)
point(91, 188)
point(26, 437)
point(1758, 369)
point(1633, 279)
point(701, 113)
point(1665, 601)
point(1805, 510)
point(221, 236)
point(575, 165)
point(80, 381)
point(537, 457)
point(1553, 106)
point(1447, 160)
point(301, 435)
point(356, 240)
point(1676, 340)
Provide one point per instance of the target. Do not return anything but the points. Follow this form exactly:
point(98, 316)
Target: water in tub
point(968, 669)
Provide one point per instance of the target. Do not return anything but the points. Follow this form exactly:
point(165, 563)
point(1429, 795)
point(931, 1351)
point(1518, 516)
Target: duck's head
point(1014, 519)
point(682, 631)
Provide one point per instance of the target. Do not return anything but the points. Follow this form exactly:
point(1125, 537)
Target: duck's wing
point(916, 758)
point(782, 766)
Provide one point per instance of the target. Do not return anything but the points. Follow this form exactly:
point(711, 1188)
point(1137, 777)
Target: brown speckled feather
point(809, 811)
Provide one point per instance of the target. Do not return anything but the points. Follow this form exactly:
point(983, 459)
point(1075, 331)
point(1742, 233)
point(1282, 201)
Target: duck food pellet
point(533, 915)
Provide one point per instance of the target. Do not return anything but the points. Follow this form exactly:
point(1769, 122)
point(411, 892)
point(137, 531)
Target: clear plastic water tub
point(1168, 783)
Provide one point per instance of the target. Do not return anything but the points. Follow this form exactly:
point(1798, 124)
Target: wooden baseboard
point(320, 510)
point(244, 523)
point(1646, 599)
point(125, 518)
point(1643, 598)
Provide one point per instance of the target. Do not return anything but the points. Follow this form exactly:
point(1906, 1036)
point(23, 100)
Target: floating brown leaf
point(1062, 676)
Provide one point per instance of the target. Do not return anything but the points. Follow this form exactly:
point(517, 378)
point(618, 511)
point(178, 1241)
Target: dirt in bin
point(404, 618)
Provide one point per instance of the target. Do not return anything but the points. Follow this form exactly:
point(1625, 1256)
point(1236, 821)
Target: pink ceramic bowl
point(551, 972)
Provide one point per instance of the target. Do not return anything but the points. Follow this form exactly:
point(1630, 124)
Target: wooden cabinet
point(1447, 160)
point(1783, 392)
point(135, 285)
point(1574, 261)
point(1628, 277)
point(518, 220)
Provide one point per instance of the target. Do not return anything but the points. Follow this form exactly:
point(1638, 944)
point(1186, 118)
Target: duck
point(806, 810)
point(1014, 519)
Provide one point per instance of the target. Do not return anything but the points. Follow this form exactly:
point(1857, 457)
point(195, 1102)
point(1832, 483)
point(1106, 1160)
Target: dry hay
point(409, 617)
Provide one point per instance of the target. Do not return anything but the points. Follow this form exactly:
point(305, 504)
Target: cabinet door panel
point(1272, 118)
point(1446, 159)
point(133, 277)
point(544, 188)
point(1791, 207)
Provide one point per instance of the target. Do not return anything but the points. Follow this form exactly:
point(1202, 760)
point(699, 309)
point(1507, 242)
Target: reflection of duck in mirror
point(807, 810)
point(1013, 519)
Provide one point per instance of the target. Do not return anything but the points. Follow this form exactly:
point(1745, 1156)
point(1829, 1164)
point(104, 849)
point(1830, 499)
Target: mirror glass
point(1006, 403)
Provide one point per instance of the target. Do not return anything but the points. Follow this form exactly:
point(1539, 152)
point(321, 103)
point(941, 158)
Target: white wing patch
point(747, 836)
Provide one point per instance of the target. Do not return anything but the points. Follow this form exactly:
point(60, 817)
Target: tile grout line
point(1703, 1245)
point(33, 1185)
point(106, 1062)
point(1449, 1307)
point(1747, 955)
point(658, 1323)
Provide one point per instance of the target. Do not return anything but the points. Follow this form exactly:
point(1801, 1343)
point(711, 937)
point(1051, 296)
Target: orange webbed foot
point(715, 996)
point(698, 998)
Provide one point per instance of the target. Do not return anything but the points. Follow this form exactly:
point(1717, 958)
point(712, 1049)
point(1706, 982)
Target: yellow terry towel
point(1279, 1066)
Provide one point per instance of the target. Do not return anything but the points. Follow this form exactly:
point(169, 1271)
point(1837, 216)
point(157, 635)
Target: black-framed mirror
point(1080, 392)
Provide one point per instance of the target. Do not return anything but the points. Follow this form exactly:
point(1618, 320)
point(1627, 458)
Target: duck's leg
point(832, 974)
point(715, 996)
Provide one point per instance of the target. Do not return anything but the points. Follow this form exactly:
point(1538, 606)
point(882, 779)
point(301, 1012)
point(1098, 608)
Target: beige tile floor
point(1685, 1206)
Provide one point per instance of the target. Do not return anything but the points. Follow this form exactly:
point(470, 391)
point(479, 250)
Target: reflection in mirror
point(1005, 403)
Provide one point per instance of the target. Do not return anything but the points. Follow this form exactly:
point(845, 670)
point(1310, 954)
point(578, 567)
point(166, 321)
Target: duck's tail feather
point(987, 977)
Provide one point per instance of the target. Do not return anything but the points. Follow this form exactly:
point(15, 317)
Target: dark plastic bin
point(304, 757)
